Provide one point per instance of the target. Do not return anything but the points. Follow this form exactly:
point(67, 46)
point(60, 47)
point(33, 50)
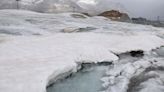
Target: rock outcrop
point(116, 15)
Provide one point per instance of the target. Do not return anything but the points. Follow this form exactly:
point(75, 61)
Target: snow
point(143, 75)
point(30, 63)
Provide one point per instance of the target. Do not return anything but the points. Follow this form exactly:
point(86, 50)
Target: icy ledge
point(28, 63)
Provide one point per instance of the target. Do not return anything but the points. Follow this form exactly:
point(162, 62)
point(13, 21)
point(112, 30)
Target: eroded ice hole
point(87, 79)
point(130, 56)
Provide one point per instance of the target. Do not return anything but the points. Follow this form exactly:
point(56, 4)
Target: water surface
point(87, 80)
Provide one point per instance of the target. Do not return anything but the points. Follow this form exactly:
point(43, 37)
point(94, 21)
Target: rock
point(125, 18)
point(115, 15)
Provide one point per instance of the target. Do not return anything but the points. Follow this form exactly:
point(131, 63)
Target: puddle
point(86, 80)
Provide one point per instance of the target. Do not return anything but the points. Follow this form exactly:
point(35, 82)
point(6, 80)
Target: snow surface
point(28, 63)
point(144, 75)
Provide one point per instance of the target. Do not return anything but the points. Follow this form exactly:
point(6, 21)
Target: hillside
point(92, 7)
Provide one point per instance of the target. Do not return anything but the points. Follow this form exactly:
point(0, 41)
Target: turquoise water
point(87, 80)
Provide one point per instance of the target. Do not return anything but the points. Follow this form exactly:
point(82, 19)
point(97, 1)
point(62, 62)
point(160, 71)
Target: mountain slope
point(92, 7)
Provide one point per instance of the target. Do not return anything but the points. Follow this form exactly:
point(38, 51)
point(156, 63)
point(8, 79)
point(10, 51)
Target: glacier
point(34, 50)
